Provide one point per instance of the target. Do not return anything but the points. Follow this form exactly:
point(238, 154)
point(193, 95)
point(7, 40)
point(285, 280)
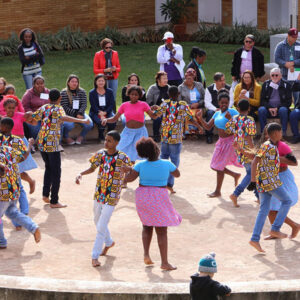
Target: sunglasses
point(108, 47)
point(249, 42)
point(274, 75)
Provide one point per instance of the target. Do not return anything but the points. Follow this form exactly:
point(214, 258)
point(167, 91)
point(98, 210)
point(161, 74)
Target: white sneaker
point(60, 148)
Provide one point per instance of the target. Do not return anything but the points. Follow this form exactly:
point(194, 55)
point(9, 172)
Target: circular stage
point(64, 252)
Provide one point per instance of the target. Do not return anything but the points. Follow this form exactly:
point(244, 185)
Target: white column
point(210, 11)
point(158, 17)
point(244, 12)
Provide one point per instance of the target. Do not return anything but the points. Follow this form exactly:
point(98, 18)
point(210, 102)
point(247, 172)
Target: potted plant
point(177, 12)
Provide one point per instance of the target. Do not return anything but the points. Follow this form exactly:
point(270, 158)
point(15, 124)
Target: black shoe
point(209, 139)
point(295, 140)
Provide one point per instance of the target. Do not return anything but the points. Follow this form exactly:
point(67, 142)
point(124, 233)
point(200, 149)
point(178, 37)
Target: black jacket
point(285, 94)
point(258, 66)
point(204, 288)
point(198, 77)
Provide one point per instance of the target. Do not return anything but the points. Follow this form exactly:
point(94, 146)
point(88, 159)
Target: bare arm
point(176, 173)
point(74, 120)
point(113, 119)
point(131, 176)
point(151, 114)
point(254, 164)
point(86, 172)
point(206, 125)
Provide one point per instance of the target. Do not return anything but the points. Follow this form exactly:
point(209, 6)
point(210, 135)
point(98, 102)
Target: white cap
point(168, 35)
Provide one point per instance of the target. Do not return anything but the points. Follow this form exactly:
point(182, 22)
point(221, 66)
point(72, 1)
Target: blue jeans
point(171, 151)
point(3, 241)
point(10, 209)
point(68, 126)
point(245, 182)
point(23, 201)
point(156, 126)
point(265, 199)
point(294, 119)
point(296, 97)
point(263, 114)
point(33, 130)
point(113, 84)
point(28, 79)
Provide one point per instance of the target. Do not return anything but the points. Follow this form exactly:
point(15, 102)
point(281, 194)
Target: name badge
point(297, 48)
point(274, 85)
point(44, 96)
point(244, 54)
point(75, 104)
point(193, 96)
point(247, 94)
point(102, 101)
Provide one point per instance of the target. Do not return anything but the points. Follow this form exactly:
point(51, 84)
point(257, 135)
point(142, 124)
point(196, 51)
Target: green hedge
point(217, 33)
point(69, 39)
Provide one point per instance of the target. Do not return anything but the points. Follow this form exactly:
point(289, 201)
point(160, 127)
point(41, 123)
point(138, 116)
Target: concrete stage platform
point(62, 261)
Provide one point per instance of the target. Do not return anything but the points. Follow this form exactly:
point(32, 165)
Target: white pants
point(102, 214)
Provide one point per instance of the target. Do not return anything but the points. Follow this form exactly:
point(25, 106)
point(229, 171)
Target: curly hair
point(147, 148)
point(9, 101)
point(136, 88)
point(106, 41)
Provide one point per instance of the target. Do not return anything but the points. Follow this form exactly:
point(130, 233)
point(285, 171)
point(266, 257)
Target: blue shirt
point(221, 120)
point(154, 173)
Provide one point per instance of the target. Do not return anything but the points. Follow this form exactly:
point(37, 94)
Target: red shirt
point(100, 63)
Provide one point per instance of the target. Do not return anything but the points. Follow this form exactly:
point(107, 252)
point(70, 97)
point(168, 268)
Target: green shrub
point(216, 33)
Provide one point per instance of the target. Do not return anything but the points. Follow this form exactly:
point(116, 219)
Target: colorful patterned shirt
point(9, 183)
point(49, 135)
point(267, 178)
point(242, 127)
point(110, 179)
point(174, 113)
point(17, 145)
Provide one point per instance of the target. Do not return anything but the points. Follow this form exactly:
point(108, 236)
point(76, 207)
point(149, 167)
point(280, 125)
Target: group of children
point(266, 169)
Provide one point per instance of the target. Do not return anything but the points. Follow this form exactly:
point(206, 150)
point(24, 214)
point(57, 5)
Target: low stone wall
point(21, 288)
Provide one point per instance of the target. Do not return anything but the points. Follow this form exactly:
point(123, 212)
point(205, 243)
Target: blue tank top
point(219, 117)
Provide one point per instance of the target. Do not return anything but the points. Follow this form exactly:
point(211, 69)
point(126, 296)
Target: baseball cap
point(293, 32)
point(168, 35)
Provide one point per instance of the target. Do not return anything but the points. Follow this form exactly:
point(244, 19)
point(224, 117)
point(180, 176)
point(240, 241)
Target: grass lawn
point(139, 58)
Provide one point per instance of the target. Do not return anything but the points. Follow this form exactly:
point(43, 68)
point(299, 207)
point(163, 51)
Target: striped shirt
point(34, 67)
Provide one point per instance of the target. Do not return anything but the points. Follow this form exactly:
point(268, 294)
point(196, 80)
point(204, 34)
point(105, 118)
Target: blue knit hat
point(207, 263)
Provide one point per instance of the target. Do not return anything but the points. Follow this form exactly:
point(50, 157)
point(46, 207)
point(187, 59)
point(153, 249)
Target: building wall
point(227, 12)
point(88, 15)
point(209, 11)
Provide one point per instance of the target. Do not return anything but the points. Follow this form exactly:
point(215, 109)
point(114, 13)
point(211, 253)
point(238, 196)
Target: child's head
point(223, 100)
point(6, 125)
point(112, 139)
point(274, 131)
point(135, 93)
point(173, 92)
point(243, 106)
point(10, 106)
point(10, 90)
point(54, 96)
point(147, 148)
point(208, 265)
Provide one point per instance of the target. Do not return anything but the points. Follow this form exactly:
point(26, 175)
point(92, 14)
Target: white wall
point(209, 11)
point(158, 17)
point(244, 11)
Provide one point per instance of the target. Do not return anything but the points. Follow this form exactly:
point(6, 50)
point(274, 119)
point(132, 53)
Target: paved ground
point(208, 225)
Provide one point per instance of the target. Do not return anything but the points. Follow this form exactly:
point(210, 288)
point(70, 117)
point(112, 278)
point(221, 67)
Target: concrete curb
point(12, 287)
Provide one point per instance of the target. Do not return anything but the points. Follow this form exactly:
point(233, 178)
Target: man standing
point(211, 100)
point(249, 58)
point(287, 56)
point(170, 58)
point(275, 100)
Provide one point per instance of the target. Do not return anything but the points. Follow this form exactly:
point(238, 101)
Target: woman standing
point(198, 57)
point(155, 95)
point(107, 62)
point(153, 204)
point(31, 56)
point(74, 102)
point(33, 99)
point(135, 129)
point(102, 104)
point(248, 89)
point(224, 153)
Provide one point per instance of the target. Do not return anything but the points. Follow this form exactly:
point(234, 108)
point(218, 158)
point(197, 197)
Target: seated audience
point(275, 100)
point(74, 103)
point(102, 104)
point(248, 89)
